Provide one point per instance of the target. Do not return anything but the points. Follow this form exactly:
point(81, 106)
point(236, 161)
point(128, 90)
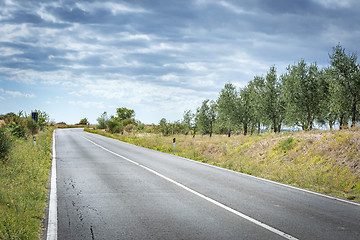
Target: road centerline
point(231, 210)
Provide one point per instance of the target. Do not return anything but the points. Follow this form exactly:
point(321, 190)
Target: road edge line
point(52, 223)
point(229, 209)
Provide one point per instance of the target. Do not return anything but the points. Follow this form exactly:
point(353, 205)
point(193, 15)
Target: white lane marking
point(274, 230)
point(52, 223)
point(273, 182)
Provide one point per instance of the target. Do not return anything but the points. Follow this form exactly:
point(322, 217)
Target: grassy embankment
point(323, 161)
point(23, 187)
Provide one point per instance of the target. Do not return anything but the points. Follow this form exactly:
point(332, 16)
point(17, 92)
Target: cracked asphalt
point(102, 195)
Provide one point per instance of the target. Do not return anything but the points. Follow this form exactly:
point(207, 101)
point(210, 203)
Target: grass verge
point(23, 187)
point(322, 161)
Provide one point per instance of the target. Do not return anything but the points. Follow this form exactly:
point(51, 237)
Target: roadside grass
point(23, 187)
point(322, 161)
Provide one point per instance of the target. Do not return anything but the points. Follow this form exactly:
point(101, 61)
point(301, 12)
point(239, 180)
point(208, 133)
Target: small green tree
point(84, 121)
point(206, 116)
point(32, 126)
point(188, 121)
point(102, 121)
point(164, 127)
point(124, 113)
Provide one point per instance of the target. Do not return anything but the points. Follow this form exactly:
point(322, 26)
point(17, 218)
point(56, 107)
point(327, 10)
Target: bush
point(32, 126)
point(5, 144)
point(286, 144)
point(114, 126)
point(17, 130)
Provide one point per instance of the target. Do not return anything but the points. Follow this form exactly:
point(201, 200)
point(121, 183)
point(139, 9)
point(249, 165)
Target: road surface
point(107, 189)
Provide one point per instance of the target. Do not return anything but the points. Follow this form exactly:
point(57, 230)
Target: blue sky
point(76, 59)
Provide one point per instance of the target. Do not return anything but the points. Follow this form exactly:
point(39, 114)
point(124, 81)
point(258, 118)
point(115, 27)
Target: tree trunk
point(309, 122)
point(341, 123)
point(274, 124)
point(353, 120)
point(245, 129)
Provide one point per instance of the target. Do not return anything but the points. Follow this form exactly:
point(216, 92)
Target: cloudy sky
point(76, 59)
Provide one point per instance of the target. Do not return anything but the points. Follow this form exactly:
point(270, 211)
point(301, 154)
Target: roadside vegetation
point(24, 174)
point(322, 161)
point(243, 129)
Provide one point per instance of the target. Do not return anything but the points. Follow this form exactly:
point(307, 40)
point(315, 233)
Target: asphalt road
point(107, 189)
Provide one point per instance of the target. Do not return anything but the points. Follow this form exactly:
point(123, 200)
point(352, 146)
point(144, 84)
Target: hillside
point(323, 161)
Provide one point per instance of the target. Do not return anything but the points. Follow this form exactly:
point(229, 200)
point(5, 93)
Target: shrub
point(17, 130)
point(5, 144)
point(32, 126)
point(286, 144)
point(114, 126)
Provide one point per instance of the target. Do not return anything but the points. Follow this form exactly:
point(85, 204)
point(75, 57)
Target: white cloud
point(114, 8)
point(232, 7)
point(8, 51)
point(11, 32)
point(88, 104)
point(16, 94)
point(333, 4)
point(192, 66)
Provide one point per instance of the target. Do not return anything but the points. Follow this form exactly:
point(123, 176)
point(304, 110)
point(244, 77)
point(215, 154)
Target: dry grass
point(323, 161)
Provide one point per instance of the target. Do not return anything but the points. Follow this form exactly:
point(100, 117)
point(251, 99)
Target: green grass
point(327, 162)
point(23, 187)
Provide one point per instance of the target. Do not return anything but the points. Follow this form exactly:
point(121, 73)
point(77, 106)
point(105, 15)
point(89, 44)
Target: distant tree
point(227, 107)
point(188, 121)
point(102, 121)
point(164, 127)
point(124, 113)
point(84, 121)
point(333, 100)
point(174, 127)
point(246, 109)
point(302, 90)
point(272, 100)
point(348, 71)
point(256, 88)
point(9, 117)
point(206, 116)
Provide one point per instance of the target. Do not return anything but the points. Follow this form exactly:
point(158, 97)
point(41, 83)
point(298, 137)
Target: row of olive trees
point(301, 97)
